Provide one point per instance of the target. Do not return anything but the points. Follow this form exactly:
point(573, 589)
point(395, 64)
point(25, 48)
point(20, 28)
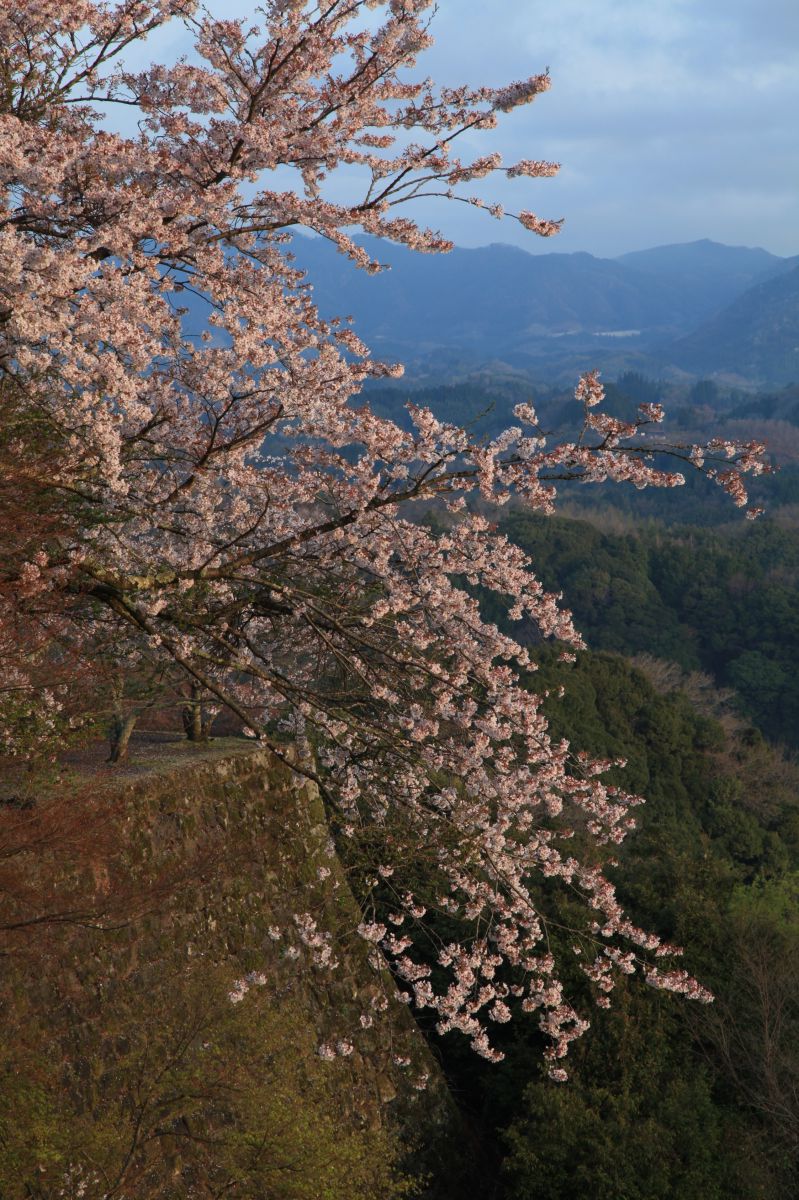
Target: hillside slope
point(709, 275)
point(755, 338)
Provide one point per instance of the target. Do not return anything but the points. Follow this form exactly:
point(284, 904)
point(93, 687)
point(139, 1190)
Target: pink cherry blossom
point(238, 516)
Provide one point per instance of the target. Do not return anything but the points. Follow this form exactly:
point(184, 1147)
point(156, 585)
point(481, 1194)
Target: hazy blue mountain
point(496, 294)
point(700, 307)
point(782, 405)
point(755, 338)
point(708, 274)
point(541, 312)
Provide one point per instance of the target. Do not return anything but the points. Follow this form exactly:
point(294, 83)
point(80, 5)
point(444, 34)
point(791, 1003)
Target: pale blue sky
point(673, 119)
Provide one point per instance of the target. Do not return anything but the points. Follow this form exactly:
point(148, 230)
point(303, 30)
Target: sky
point(673, 120)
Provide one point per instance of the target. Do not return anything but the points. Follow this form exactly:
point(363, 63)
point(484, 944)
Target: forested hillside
point(721, 602)
point(703, 1103)
point(664, 1100)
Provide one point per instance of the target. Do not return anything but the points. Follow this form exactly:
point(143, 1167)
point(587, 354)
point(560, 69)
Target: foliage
point(220, 1098)
point(640, 1121)
point(720, 602)
point(665, 1100)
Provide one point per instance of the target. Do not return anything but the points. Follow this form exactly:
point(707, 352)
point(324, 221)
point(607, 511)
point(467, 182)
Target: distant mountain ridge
point(666, 308)
point(755, 337)
point(708, 274)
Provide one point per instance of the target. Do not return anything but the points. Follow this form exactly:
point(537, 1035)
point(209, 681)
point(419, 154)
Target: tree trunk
point(197, 727)
point(119, 736)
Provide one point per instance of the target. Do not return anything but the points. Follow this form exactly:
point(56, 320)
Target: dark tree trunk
point(195, 721)
point(119, 736)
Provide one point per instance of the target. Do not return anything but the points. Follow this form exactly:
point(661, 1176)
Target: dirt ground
point(150, 752)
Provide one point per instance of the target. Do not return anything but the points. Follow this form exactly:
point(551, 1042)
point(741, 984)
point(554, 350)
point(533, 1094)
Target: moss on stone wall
point(173, 1050)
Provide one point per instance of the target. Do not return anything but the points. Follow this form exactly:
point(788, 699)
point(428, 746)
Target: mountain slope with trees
point(755, 338)
point(721, 602)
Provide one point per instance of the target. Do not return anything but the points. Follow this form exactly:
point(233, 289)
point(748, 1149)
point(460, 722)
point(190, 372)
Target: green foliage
point(720, 603)
point(179, 1083)
point(636, 1122)
point(655, 1107)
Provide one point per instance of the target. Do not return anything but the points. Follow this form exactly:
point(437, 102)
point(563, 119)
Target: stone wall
point(237, 900)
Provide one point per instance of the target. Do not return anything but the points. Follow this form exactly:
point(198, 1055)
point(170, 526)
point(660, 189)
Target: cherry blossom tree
point(238, 514)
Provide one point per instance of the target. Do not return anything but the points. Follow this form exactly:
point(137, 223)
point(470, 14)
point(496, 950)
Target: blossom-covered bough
point(236, 517)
